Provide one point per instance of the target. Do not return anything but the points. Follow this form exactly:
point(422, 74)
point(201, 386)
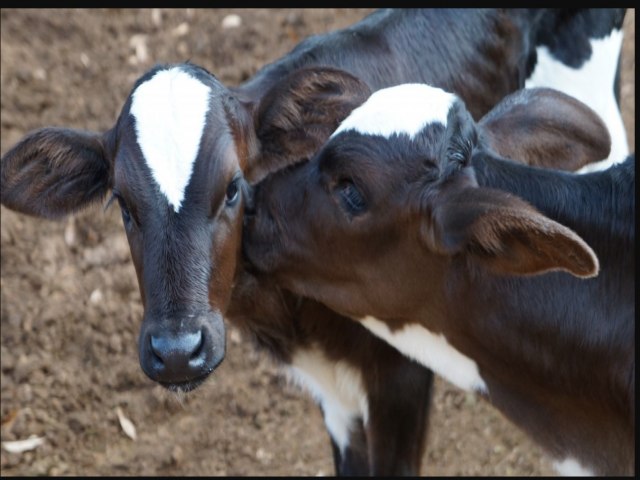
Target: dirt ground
point(70, 303)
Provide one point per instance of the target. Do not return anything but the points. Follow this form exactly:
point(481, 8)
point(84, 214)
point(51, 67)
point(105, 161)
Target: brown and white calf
point(185, 148)
point(406, 222)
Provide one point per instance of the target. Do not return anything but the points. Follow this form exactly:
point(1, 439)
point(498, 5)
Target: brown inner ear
point(513, 244)
point(53, 172)
point(299, 114)
point(504, 233)
point(546, 128)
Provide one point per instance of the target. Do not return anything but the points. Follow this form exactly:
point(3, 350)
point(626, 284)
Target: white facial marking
point(336, 386)
point(170, 111)
point(432, 351)
point(592, 84)
point(406, 108)
point(570, 467)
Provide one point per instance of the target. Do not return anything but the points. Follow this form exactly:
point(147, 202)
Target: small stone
point(84, 58)
point(71, 232)
point(156, 17)
point(40, 74)
point(235, 336)
point(96, 296)
point(181, 30)
point(115, 343)
point(231, 21)
point(139, 43)
point(263, 455)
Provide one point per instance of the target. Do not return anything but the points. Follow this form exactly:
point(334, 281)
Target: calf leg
point(353, 460)
point(399, 402)
point(375, 401)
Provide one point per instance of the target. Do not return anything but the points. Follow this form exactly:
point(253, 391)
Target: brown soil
point(70, 301)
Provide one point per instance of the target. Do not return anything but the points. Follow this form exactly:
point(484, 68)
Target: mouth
point(186, 386)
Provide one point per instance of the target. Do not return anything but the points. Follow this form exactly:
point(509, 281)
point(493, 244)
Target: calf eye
point(350, 197)
point(126, 215)
point(233, 191)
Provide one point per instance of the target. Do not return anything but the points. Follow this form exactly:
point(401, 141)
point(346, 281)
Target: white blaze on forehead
point(170, 111)
point(592, 84)
point(431, 350)
point(406, 108)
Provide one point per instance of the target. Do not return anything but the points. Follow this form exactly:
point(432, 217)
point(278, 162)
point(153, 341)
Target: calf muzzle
point(180, 352)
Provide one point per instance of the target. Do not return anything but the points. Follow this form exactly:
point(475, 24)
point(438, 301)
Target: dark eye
point(233, 192)
point(351, 197)
point(126, 215)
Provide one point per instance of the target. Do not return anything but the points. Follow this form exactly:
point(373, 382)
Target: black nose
point(180, 349)
point(177, 359)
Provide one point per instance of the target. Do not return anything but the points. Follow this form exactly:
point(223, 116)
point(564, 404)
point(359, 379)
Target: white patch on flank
point(336, 386)
point(592, 84)
point(170, 111)
point(570, 467)
point(432, 351)
point(406, 108)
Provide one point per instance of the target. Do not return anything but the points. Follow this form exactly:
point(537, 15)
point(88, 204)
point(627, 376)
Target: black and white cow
point(185, 149)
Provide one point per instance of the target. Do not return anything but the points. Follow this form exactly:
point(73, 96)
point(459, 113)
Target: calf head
point(391, 200)
point(177, 161)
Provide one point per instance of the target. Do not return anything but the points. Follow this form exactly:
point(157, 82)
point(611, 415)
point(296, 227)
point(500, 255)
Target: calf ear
point(506, 235)
point(53, 172)
point(546, 128)
point(299, 114)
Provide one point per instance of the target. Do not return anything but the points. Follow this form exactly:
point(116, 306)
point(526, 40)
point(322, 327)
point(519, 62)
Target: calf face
point(176, 161)
point(391, 197)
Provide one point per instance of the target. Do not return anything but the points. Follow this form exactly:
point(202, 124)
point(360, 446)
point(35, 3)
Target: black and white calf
point(185, 149)
point(580, 66)
point(407, 223)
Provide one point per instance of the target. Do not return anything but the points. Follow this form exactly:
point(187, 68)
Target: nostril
point(198, 347)
point(198, 356)
point(156, 352)
point(175, 351)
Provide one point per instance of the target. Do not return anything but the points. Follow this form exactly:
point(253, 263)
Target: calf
point(560, 63)
point(407, 223)
point(185, 148)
